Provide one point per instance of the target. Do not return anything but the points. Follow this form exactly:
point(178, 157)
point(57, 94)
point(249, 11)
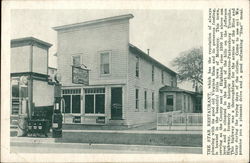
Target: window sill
point(95, 115)
point(72, 114)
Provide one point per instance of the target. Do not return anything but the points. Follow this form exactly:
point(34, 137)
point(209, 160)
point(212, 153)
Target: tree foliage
point(190, 66)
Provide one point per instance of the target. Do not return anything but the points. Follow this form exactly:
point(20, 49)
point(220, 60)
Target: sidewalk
point(126, 137)
point(47, 145)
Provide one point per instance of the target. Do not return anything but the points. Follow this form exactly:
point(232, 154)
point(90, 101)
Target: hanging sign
point(80, 75)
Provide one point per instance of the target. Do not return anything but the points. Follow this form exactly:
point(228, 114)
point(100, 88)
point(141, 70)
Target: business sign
point(80, 75)
point(100, 120)
point(77, 119)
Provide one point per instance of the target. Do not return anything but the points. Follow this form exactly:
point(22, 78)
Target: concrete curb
point(114, 147)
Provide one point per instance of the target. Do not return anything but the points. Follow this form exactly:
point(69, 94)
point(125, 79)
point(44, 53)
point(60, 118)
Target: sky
point(166, 33)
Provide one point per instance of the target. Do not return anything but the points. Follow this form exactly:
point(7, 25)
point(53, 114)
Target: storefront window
point(67, 103)
point(72, 98)
point(95, 101)
point(76, 103)
point(100, 103)
point(89, 103)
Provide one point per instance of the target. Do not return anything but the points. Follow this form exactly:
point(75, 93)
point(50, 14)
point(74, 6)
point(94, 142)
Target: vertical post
point(186, 120)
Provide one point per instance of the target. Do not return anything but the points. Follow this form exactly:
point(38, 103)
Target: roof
point(28, 41)
point(145, 56)
point(176, 89)
point(120, 17)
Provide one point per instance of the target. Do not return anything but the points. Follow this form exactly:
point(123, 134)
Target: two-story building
point(123, 81)
point(29, 77)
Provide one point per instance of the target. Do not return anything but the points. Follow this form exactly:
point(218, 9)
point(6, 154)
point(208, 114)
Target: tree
point(189, 66)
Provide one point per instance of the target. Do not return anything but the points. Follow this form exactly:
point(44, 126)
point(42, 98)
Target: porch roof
point(176, 89)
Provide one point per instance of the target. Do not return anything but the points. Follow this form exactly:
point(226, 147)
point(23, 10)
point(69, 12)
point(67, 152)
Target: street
point(51, 147)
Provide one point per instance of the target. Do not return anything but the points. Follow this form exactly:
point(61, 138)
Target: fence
point(179, 121)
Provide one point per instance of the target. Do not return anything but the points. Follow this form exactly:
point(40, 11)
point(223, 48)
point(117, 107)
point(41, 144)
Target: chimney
point(148, 51)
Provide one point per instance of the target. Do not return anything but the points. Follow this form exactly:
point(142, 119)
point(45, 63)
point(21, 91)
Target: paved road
point(24, 147)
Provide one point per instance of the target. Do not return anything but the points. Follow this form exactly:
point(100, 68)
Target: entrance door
point(170, 103)
point(116, 103)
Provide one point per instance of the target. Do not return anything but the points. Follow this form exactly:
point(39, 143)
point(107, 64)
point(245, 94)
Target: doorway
point(116, 103)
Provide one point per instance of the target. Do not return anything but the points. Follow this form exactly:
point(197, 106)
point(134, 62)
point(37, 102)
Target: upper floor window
point(153, 73)
point(145, 100)
point(76, 60)
point(153, 101)
point(137, 99)
point(162, 76)
point(105, 63)
point(172, 81)
point(137, 67)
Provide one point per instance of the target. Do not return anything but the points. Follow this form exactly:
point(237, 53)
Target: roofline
point(180, 90)
point(29, 40)
point(91, 22)
point(152, 59)
point(183, 91)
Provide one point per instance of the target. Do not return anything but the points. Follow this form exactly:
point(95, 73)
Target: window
point(89, 103)
point(72, 99)
point(189, 103)
point(137, 99)
point(105, 65)
point(76, 60)
point(198, 105)
point(145, 100)
point(137, 67)
point(15, 89)
point(76, 103)
point(172, 81)
point(162, 77)
point(153, 101)
point(170, 100)
point(170, 103)
point(153, 72)
point(184, 103)
point(95, 101)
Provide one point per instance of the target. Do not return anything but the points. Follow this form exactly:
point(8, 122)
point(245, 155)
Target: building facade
point(29, 76)
point(123, 81)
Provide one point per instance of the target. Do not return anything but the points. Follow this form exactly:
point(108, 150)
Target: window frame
point(137, 67)
point(71, 93)
point(76, 55)
point(100, 62)
point(153, 73)
point(145, 100)
point(153, 100)
point(94, 93)
point(172, 81)
point(162, 76)
point(137, 100)
point(184, 100)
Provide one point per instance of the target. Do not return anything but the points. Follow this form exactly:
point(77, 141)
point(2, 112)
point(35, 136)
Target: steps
point(116, 122)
